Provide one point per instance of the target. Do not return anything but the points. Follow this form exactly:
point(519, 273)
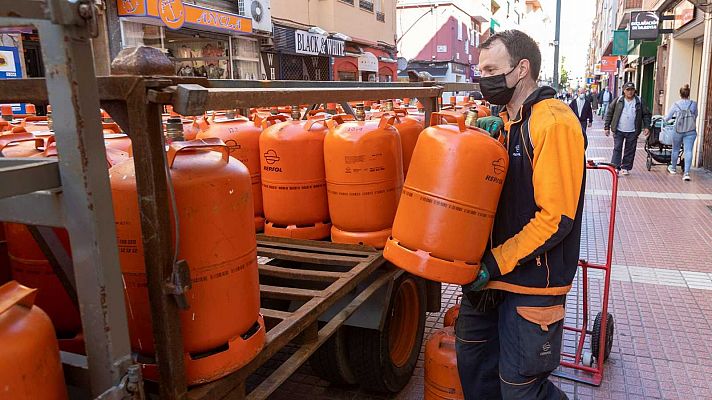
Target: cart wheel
point(596, 334)
point(587, 359)
point(330, 361)
point(649, 162)
point(384, 360)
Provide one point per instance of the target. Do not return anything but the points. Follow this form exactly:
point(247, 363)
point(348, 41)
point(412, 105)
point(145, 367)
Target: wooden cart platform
point(316, 275)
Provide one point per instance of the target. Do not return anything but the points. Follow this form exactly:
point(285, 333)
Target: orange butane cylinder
point(451, 315)
point(453, 187)
point(242, 137)
point(6, 112)
point(29, 357)
point(442, 381)
point(20, 143)
point(364, 179)
point(31, 268)
point(293, 179)
point(409, 129)
point(5, 275)
point(222, 329)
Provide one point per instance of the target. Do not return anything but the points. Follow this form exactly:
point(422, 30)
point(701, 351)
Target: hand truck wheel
point(596, 335)
point(587, 359)
point(649, 162)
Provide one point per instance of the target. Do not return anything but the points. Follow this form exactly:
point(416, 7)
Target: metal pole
point(556, 45)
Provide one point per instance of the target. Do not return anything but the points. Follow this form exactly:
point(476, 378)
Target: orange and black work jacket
point(534, 248)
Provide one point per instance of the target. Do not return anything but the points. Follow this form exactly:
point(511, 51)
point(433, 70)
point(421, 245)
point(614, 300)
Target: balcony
point(380, 16)
point(366, 5)
point(351, 2)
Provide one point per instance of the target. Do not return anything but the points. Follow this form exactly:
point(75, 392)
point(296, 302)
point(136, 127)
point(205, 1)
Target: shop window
point(246, 58)
point(385, 78)
point(348, 76)
point(198, 53)
point(134, 34)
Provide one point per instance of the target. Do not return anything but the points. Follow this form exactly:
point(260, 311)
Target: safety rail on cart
point(75, 193)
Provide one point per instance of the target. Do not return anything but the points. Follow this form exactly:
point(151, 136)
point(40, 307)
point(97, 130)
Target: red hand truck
point(587, 366)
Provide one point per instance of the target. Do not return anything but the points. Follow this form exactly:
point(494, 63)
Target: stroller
point(658, 145)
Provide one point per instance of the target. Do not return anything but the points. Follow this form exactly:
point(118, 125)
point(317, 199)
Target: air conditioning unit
point(259, 11)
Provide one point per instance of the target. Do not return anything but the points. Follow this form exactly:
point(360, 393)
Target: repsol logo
point(494, 179)
point(272, 169)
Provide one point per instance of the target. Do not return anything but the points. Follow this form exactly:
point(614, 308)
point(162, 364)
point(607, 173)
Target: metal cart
point(357, 284)
point(584, 365)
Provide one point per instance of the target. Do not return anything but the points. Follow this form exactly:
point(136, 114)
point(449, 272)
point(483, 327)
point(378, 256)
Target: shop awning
point(175, 15)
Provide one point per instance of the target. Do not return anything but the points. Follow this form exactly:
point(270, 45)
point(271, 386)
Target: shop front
point(201, 41)
point(300, 55)
point(365, 64)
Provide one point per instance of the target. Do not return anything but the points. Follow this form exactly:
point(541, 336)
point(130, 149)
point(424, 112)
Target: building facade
point(352, 40)
point(215, 39)
point(442, 37)
point(681, 54)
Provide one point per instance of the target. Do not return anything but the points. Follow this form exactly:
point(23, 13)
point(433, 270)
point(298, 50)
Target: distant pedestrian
point(604, 98)
point(594, 100)
point(627, 116)
point(581, 106)
point(685, 113)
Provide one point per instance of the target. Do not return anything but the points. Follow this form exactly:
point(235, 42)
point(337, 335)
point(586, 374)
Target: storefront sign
point(597, 69)
point(620, 43)
point(10, 68)
point(609, 64)
point(457, 68)
point(174, 15)
point(644, 25)
point(368, 62)
point(10, 63)
point(317, 45)
point(270, 61)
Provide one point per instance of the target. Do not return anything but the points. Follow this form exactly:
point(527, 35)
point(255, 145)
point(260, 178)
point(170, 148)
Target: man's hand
point(493, 125)
point(590, 123)
point(646, 132)
point(607, 132)
point(480, 282)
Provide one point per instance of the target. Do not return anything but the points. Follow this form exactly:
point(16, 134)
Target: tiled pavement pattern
point(660, 293)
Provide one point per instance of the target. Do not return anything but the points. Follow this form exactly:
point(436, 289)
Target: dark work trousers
point(631, 140)
point(502, 354)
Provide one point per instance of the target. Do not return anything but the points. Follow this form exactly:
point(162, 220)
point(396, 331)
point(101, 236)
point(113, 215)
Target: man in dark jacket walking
point(581, 106)
point(627, 117)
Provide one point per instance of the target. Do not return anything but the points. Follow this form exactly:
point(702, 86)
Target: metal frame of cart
point(587, 366)
point(74, 193)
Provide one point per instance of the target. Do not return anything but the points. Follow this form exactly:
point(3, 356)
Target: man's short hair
point(519, 45)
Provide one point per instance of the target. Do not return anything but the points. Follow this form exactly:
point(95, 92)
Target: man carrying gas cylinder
point(509, 330)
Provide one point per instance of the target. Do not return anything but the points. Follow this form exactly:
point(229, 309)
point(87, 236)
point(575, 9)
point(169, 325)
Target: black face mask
point(495, 90)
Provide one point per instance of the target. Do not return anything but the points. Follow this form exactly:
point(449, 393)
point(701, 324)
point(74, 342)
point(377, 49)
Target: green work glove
point(480, 282)
point(493, 125)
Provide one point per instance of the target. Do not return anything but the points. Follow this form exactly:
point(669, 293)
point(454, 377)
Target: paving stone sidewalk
point(659, 295)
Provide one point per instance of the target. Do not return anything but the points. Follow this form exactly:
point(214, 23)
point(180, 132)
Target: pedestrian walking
point(594, 100)
point(581, 106)
point(627, 117)
point(604, 98)
point(685, 113)
point(509, 330)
